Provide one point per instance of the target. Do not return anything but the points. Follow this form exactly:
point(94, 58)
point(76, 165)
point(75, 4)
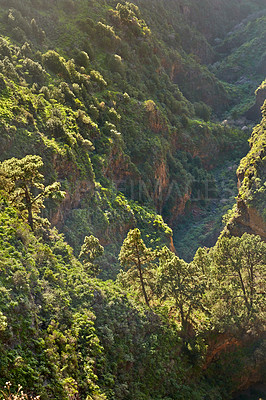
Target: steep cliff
point(250, 212)
point(254, 113)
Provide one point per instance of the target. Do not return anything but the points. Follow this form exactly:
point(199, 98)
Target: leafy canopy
point(137, 260)
point(90, 250)
point(22, 183)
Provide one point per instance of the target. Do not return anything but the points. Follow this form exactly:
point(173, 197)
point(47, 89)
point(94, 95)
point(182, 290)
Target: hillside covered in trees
point(132, 199)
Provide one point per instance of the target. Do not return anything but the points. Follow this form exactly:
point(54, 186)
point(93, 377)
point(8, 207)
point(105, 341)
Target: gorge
point(132, 199)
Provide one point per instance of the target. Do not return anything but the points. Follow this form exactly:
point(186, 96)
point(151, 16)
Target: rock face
point(77, 189)
point(248, 220)
point(254, 112)
point(250, 215)
point(242, 376)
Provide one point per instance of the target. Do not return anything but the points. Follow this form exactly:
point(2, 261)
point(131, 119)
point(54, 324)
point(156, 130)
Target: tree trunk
point(142, 284)
point(244, 291)
point(141, 276)
point(29, 207)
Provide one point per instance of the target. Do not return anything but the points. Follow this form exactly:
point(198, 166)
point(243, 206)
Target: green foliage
point(49, 334)
point(235, 276)
point(18, 395)
point(55, 63)
point(82, 59)
point(252, 190)
point(241, 272)
point(202, 111)
point(119, 118)
point(127, 58)
point(22, 183)
point(137, 259)
point(90, 250)
point(182, 282)
point(129, 15)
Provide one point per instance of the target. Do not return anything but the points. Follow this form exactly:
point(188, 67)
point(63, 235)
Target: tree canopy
point(23, 184)
point(90, 250)
point(137, 260)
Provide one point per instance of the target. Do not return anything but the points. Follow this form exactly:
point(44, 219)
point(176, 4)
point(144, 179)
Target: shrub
point(68, 94)
point(184, 121)
point(87, 127)
point(45, 91)
point(2, 83)
point(106, 36)
point(94, 112)
point(87, 26)
point(73, 74)
point(82, 59)
point(116, 64)
point(35, 70)
point(8, 69)
point(18, 395)
point(5, 49)
point(16, 20)
point(98, 78)
point(202, 111)
point(26, 49)
point(55, 63)
point(88, 49)
point(113, 116)
point(104, 30)
point(129, 15)
point(18, 34)
point(37, 32)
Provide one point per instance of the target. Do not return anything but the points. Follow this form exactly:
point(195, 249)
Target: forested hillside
point(122, 125)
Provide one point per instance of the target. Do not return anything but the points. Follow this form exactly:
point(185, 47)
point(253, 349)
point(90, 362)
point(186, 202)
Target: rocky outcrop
point(156, 120)
point(179, 207)
point(77, 188)
point(119, 168)
point(71, 200)
point(161, 176)
point(247, 220)
point(224, 348)
point(254, 112)
point(250, 213)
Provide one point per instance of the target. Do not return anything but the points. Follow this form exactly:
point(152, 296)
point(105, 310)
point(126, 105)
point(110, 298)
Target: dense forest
point(132, 199)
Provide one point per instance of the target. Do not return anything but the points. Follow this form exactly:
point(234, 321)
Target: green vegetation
point(64, 333)
point(251, 167)
point(111, 111)
point(18, 180)
point(90, 250)
point(112, 150)
point(137, 259)
point(251, 175)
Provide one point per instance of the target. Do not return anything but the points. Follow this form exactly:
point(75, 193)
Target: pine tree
point(90, 250)
point(241, 270)
point(137, 259)
point(22, 184)
point(183, 283)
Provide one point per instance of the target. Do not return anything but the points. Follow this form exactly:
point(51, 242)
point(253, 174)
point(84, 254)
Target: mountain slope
point(125, 103)
point(114, 119)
